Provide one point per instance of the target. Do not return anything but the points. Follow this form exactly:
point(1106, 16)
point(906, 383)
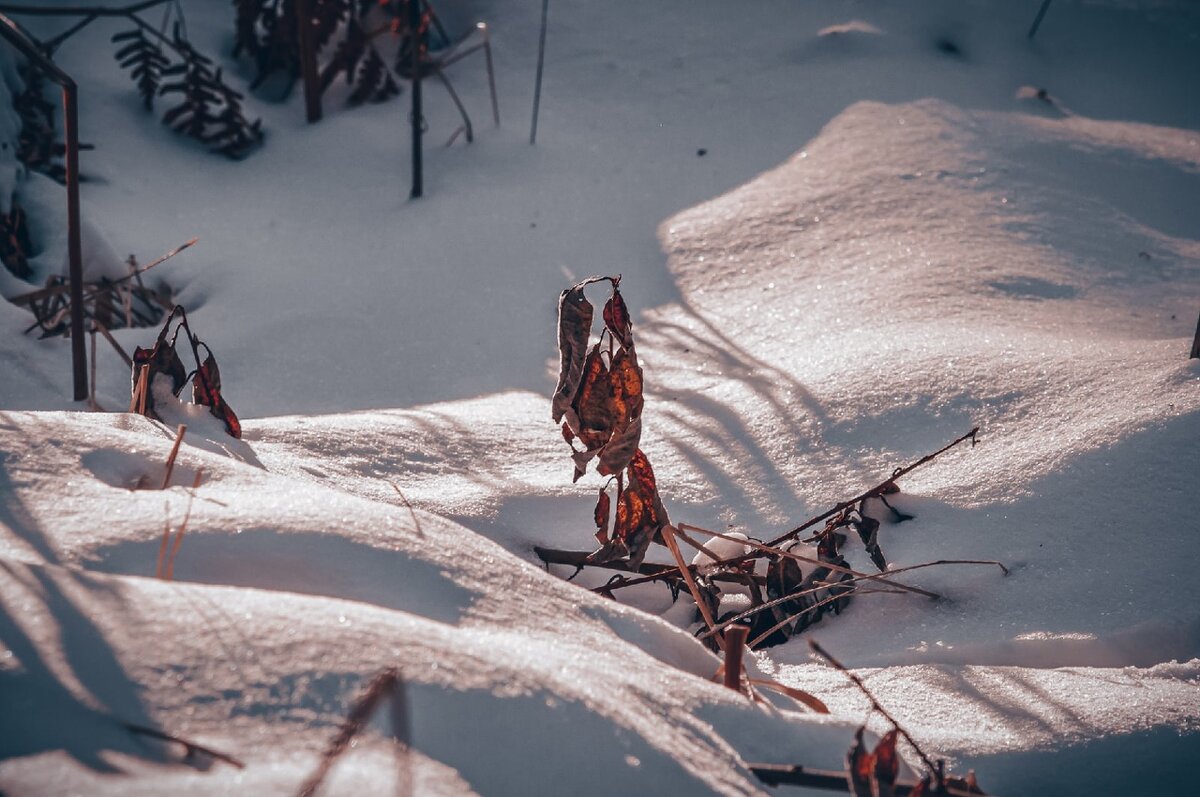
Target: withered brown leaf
point(574, 328)
point(616, 318)
point(625, 377)
point(206, 390)
point(603, 507)
point(887, 763)
point(861, 766)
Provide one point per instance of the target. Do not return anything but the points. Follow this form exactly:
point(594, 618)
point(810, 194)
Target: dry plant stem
point(187, 515)
point(937, 562)
point(92, 405)
point(179, 433)
point(137, 402)
point(668, 534)
point(553, 556)
point(820, 651)
point(139, 271)
point(695, 544)
point(876, 490)
point(735, 645)
point(162, 548)
point(41, 293)
point(411, 512)
point(791, 596)
point(103, 330)
point(880, 577)
point(672, 574)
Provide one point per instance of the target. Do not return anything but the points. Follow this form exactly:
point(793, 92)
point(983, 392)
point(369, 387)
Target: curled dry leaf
point(574, 328)
point(887, 763)
point(206, 390)
point(603, 510)
point(625, 407)
point(616, 318)
point(868, 531)
point(861, 766)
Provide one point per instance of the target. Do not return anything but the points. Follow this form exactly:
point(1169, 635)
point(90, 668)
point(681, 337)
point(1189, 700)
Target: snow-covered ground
point(889, 238)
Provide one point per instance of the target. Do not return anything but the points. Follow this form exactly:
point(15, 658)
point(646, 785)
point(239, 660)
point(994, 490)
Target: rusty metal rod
point(17, 37)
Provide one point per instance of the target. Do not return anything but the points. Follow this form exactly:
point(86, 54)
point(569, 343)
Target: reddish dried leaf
point(887, 763)
point(616, 318)
point(206, 390)
point(625, 377)
point(593, 404)
point(567, 434)
point(574, 328)
point(639, 515)
point(921, 789)
point(601, 514)
point(861, 766)
point(642, 474)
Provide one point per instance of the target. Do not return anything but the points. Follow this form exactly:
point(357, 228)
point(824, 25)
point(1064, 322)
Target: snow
point(894, 235)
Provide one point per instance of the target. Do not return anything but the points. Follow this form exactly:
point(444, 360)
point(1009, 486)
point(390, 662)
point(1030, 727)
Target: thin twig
point(877, 489)
point(92, 405)
point(668, 534)
point(42, 293)
point(162, 547)
point(411, 512)
point(103, 330)
point(179, 433)
point(187, 515)
point(936, 562)
point(695, 544)
point(820, 651)
point(772, 549)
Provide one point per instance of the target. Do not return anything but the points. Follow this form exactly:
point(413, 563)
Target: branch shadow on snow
point(42, 713)
point(18, 520)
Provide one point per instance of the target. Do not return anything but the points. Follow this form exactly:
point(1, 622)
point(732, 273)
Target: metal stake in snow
point(308, 61)
point(537, 87)
point(414, 32)
point(18, 38)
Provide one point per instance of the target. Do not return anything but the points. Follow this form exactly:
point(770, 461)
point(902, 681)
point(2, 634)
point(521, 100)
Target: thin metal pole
point(1196, 343)
point(74, 247)
point(414, 32)
point(18, 38)
point(537, 87)
point(308, 61)
point(1038, 19)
